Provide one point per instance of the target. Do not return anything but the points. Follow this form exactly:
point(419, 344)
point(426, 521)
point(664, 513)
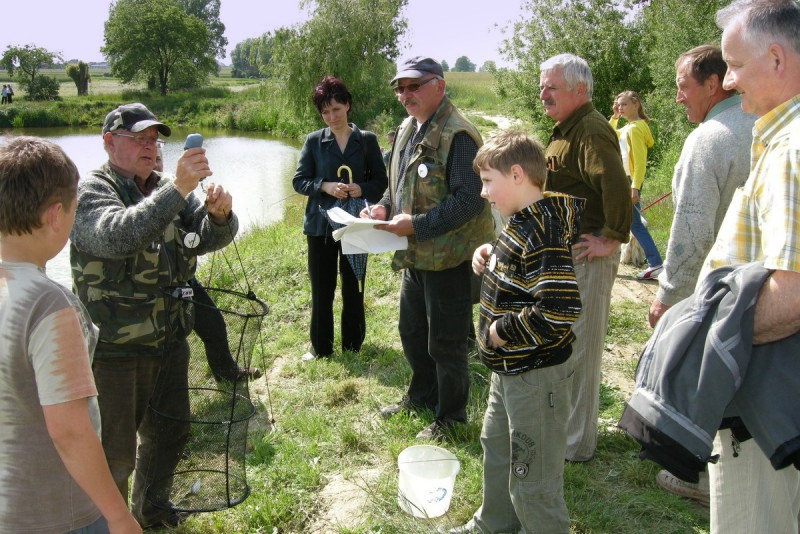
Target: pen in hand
point(369, 215)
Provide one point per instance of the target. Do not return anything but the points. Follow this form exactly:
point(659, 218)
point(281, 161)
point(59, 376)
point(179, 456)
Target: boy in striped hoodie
point(529, 300)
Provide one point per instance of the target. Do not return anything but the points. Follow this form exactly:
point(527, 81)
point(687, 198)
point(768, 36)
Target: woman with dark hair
point(323, 154)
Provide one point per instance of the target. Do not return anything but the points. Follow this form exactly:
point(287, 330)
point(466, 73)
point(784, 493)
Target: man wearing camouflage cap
point(434, 198)
point(137, 232)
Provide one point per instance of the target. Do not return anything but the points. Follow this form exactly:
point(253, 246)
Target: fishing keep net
point(204, 431)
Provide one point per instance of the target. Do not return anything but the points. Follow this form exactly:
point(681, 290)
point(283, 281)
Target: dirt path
point(627, 287)
point(619, 358)
point(502, 122)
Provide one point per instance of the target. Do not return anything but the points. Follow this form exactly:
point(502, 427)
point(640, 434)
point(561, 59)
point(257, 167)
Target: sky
point(442, 29)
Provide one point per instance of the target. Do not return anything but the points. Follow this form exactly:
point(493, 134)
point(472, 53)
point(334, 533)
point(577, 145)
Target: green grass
point(232, 103)
point(627, 323)
point(327, 427)
point(473, 90)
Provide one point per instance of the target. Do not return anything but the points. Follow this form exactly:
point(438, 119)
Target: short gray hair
point(764, 22)
point(576, 71)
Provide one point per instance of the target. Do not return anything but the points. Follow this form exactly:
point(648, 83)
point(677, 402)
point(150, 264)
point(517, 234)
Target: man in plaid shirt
point(761, 45)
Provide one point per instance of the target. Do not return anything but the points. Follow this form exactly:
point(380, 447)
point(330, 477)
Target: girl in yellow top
point(634, 141)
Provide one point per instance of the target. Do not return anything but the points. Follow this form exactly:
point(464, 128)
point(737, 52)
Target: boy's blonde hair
point(513, 147)
point(34, 174)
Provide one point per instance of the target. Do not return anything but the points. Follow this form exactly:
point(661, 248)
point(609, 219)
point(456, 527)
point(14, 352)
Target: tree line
point(251, 59)
point(630, 44)
point(167, 44)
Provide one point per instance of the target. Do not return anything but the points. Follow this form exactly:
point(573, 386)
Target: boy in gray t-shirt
point(53, 474)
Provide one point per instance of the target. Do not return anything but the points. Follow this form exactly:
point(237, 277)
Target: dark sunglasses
point(411, 87)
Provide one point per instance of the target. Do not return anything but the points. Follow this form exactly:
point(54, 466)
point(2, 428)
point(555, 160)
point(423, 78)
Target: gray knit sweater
point(715, 160)
point(105, 227)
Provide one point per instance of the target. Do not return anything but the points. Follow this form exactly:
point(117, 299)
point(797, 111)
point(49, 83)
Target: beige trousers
point(595, 281)
point(747, 494)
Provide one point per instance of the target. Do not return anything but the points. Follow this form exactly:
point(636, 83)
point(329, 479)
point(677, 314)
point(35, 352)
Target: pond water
point(255, 168)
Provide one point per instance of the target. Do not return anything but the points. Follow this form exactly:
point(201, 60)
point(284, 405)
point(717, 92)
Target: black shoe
point(241, 373)
point(404, 405)
point(249, 373)
point(469, 528)
point(173, 520)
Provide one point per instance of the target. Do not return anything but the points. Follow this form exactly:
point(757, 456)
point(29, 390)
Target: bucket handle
point(427, 461)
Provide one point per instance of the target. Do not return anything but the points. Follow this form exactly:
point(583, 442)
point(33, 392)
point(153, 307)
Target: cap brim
point(143, 125)
point(410, 73)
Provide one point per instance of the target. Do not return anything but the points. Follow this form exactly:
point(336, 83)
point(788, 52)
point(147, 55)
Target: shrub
point(43, 88)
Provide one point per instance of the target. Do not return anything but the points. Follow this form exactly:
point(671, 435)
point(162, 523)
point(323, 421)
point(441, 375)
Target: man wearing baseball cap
point(136, 232)
point(434, 198)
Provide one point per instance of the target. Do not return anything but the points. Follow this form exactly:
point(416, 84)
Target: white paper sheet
point(359, 236)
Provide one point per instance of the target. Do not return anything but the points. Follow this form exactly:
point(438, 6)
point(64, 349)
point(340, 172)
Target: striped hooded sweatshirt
point(529, 287)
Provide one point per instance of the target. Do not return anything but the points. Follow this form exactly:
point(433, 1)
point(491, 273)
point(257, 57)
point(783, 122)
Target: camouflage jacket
point(126, 248)
point(426, 186)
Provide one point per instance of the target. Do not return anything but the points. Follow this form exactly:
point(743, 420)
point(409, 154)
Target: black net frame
point(210, 472)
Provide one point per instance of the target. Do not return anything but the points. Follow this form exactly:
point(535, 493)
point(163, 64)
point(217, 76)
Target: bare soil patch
point(627, 287)
point(343, 499)
point(502, 122)
point(620, 358)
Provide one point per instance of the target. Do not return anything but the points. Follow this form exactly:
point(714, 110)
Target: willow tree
point(156, 39)
point(251, 57)
point(80, 75)
point(355, 40)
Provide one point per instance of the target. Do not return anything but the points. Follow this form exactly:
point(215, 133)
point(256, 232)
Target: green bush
point(43, 88)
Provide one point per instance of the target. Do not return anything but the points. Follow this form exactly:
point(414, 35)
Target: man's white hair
point(764, 22)
point(575, 70)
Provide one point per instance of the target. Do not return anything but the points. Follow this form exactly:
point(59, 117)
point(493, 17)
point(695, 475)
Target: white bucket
point(425, 484)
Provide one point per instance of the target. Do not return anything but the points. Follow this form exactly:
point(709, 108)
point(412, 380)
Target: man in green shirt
point(584, 160)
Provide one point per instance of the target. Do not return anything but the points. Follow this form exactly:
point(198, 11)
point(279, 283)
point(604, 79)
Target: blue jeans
point(639, 231)
point(434, 323)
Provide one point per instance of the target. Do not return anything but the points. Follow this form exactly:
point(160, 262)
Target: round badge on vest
point(422, 170)
point(191, 240)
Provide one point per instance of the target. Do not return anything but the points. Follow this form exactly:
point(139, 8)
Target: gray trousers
point(524, 437)
point(135, 440)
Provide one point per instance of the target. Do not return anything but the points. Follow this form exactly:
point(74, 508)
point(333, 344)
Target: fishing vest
point(425, 187)
point(125, 296)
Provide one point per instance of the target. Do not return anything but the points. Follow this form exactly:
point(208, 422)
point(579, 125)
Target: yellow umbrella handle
point(349, 173)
